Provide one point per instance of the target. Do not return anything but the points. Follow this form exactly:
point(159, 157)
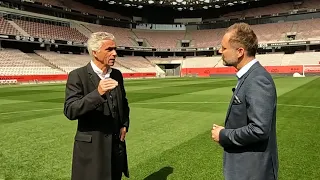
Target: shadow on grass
point(162, 174)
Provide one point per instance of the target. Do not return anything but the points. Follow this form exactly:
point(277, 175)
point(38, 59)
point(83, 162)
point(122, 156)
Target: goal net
point(309, 70)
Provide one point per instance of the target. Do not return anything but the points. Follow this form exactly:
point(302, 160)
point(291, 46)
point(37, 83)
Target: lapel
point(117, 93)
point(241, 81)
point(95, 79)
point(93, 76)
point(109, 99)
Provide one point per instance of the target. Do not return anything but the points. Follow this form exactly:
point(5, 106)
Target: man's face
point(107, 53)
point(230, 54)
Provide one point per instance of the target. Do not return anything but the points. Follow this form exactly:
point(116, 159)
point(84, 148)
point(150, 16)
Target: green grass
point(170, 129)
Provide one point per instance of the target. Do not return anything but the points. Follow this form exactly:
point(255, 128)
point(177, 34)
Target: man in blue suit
point(249, 135)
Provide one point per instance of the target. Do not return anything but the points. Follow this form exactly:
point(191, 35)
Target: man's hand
point(123, 132)
point(216, 132)
point(106, 85)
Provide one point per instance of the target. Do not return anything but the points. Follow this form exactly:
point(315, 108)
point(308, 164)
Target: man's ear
point(94, 53)
point(240, 52)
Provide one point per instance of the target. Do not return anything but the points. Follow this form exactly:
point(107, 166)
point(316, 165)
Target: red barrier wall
point(208, 71)
point(62, 77)
point(202, 72)
point(26, 78)
point(312, 68)
point(231, 70)
point(138, 75)
point(284, 69)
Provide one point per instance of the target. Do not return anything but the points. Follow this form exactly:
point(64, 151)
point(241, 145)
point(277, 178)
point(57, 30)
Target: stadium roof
point(179, 4)
point(165, 11)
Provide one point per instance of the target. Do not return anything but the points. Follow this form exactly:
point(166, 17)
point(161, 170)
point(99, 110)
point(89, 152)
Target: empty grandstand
point(288, 36)
point(42, 41)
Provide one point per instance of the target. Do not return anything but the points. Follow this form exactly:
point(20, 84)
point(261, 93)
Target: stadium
point(168, 52)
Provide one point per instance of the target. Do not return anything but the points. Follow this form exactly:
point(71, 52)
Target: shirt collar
point(99, 72)
point(245, 68)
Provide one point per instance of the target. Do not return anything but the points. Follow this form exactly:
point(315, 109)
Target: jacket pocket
point(83, 146)
point(83, 137)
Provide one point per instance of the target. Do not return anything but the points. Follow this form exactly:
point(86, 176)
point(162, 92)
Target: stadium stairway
point(145, 41)
point(286, 59)
point(126, 67)
point(159, 71)
point(81, 28)
point(188, 36)
point(18, 28)
point(43, 61)
point(133, 38)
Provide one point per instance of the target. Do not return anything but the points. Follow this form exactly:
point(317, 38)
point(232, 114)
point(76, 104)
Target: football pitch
point(169, 136)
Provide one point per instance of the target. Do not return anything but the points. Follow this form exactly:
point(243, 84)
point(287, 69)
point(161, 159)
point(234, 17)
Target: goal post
point(310, 69)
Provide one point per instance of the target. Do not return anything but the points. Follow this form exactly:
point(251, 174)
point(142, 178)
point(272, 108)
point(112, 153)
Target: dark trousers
point(117, 160)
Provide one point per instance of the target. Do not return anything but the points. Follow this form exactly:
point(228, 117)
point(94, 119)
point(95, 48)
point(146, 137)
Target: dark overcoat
point(94, 139)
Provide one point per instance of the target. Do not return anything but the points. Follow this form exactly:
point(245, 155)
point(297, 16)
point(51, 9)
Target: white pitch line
point(33, 110)
point(297, 105)
point(207, 102)
point(167, 102)
point(181, 102)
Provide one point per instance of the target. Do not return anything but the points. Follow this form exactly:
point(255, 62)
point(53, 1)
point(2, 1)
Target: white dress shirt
point(245, 69)
point(99, 72)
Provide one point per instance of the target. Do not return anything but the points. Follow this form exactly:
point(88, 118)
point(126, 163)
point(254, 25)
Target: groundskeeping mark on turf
point(164, 102)
point(33, 110)
point(207, 102)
